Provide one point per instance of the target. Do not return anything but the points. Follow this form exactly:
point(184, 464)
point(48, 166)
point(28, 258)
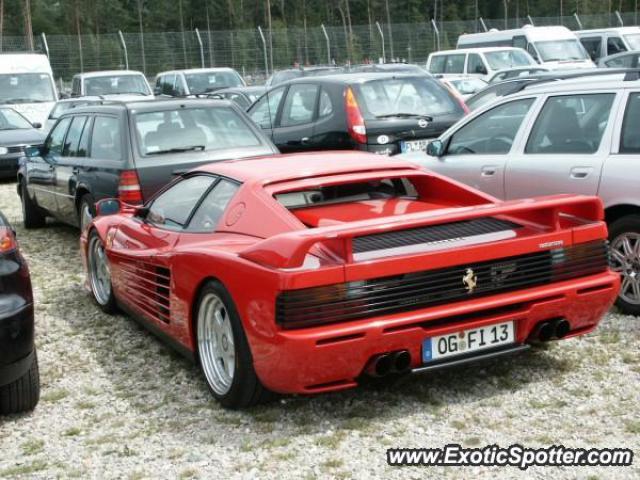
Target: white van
point(553, 47)
point(609, 41)
point(27, 86)
point(477, 62)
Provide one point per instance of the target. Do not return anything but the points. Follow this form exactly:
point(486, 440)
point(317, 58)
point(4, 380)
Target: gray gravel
point(116, 403)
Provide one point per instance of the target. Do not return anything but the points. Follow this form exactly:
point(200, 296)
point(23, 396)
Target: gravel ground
point(116, 403)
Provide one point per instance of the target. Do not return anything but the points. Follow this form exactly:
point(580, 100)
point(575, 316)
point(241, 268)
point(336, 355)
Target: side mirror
point(435, 148)
point(32, 151)
point(36, 125)
point(108, 206)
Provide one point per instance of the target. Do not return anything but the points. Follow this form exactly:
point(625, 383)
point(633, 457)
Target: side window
point(240, 100)
point(519, 41)
point(83, 146)
point(592, 46)
point(476, 65)
point(624, 61)
point(73, 137)
point(54, 143)
point(437, 64)
point(265, 109)
point(492, 132)
point(615, 45)
point(172, 208)
point(299, 106)
point(454, 63)
point(629, 139)
point(167, 84)
point(571, 124)
point(106, 143)
point(532, 51)
point(178, 88)
point(209, 212)
point(75, 86)
point(326, 107)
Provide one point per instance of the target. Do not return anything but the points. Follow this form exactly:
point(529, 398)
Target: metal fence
point(245, 50)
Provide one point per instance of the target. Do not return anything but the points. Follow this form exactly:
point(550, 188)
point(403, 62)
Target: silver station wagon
point(579, 135)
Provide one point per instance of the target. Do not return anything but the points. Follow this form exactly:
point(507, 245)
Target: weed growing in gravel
point(54, 395)
point(632, 426)
point(24, 470)
point(32, 447)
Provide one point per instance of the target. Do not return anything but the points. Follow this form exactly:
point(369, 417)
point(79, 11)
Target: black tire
point(88, 202)
point(32, 216)
point(626, 224)
point(109, 305)
point(23, 394)
point(246, 389)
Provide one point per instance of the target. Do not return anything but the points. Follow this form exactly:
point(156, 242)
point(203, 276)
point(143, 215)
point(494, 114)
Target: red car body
point(314, 286)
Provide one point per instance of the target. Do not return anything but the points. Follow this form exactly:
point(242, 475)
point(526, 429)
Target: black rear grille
point(18, 149)
point(431, 234)
point(411, 291)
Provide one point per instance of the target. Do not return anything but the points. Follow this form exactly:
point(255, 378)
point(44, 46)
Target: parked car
point(128, 150)
point(67, 104)
point(243, 96)
point(283, 76)
point(19, 377)
point(603, 42)
point(26, 85)
point(480, 62)
point(394, 67)
point(555, 47)
point(464, 87)
point(266, 272)
point(570, 136)
point(196, 81)
point(508, 73)
point(16, 133)
point(378, 112)
point(620, 60)
point(125, 84)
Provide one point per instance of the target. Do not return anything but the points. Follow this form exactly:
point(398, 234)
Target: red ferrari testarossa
point(304, 273)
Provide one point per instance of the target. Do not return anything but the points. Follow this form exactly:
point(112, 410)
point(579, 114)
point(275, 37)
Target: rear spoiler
point(288, 250)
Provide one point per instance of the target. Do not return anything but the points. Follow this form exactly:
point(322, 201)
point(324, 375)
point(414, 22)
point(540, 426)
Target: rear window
point(116, 84)
point(192, 129)
point(410, 95)
point(204, 82)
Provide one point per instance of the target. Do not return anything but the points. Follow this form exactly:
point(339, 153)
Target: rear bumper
point(333, 357)
point(9, 164)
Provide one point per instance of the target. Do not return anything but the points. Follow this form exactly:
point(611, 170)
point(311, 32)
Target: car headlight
point(4, 150)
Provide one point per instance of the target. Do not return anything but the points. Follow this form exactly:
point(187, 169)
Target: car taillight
point(355, 122)
point(129, 189)
point(7, 240)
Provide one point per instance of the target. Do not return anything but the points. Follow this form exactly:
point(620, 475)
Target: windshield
point(193, 129)
point(633, 39)
point(12, 120)
point(116, 85)
point(468, 86)
point(26, 88)
point(561, 50)
point(204, 82)
point(406, 96)
point(508, 59)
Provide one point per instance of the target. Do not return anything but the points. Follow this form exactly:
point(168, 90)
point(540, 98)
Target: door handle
point(304, 140)
point(488, 171)
point(580, 173)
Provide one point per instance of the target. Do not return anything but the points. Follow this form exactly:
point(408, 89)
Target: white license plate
point(466, 341)
point(414, 146)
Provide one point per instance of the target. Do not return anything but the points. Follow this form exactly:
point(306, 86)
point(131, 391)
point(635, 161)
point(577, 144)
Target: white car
point(117, 84)
point(477, 62)
point(464, 87)
point(196, 81)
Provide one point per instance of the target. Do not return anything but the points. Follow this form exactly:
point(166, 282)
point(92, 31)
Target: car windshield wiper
point(406, 115)
point(178, 150)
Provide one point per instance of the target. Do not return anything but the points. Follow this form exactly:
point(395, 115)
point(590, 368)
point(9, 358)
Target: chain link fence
point(245, 51)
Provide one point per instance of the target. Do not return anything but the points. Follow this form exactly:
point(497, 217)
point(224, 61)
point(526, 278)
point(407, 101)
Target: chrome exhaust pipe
point(401, 361)
point(380, 365)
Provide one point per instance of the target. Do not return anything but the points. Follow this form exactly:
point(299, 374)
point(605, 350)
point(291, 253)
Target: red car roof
point(277, 168)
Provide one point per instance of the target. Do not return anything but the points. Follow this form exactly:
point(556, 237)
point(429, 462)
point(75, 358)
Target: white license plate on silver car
point(410, 146)
point(467, 341)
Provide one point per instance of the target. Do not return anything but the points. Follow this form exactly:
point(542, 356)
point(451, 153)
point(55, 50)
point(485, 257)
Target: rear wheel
point(223, 350)
point(23, 394)
point(99, 272)
point(32, 216)
point(86, 211)
point(624, 235)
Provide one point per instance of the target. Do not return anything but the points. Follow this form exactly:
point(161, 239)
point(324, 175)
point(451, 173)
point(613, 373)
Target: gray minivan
point(128, 150)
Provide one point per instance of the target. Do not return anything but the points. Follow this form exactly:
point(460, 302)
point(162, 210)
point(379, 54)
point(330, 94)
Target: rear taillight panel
point(7, 241)
point(355, 120)
point(129, 190)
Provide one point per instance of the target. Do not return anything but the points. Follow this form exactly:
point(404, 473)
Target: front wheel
point(223, 350)
point(99, 272)
point(624, 235)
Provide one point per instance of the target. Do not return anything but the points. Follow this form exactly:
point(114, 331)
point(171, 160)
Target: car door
point(106, 156)
point(476, 153)
point(565, 148)
point(141, 249)
point(68, 170)
point(265, 111)
point(41, 176)
point(294, 129)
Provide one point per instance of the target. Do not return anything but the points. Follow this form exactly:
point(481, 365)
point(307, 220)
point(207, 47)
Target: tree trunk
point(1, 22)
point(28, 29)
point(144, 62)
